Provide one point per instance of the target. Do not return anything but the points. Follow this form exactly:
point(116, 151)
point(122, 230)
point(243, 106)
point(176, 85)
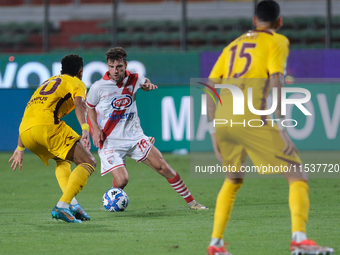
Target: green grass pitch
point(157, 220)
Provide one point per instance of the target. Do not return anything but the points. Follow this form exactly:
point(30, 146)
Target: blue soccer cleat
point(79, 212)
point(64, 214)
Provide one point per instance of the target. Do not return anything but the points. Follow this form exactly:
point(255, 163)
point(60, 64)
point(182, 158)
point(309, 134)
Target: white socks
point(299, 236)
point(62, 204)
point(216, 242)
point(74, 201)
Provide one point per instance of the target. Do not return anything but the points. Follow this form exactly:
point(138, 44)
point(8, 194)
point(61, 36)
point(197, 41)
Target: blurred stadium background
point(170, 42)
point(56, 25)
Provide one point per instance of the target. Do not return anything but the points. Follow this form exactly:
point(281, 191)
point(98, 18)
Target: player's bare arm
point(81, 113)
point(18, 156)
point(147, 86)
point(97, 135)
point(211, 108)
point(276, 81)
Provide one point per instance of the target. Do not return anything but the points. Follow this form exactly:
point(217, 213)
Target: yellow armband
point(85, 126)
point(20, 148)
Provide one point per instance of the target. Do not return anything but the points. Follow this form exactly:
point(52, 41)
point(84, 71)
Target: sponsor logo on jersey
point(121, 102)
point(121, 117)
point(111, 94)
point(37, 100)
point(108, 152)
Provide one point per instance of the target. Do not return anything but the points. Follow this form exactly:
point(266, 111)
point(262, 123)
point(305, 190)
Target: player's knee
point(90, 164)
point(92, 161)
point(236, 180)
point(302, 178)
point(121, 182)
point(305, 177)
point(164, 167)
point(296, 175)
point(167, 171)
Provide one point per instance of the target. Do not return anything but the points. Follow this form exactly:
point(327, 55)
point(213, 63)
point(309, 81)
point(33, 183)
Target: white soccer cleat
point(309, 247)
point(194, 205)
point(213, 250)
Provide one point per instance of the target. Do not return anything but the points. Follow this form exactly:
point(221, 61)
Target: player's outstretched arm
point(97, 135)
point(218, 154)
point(276, 81)
point(211, 108)
point(18, 156)
point(81, 113)
point(147, 86)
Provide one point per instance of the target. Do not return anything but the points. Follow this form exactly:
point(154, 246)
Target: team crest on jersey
point(130, 88)
point(121, 102)
point(111, 159)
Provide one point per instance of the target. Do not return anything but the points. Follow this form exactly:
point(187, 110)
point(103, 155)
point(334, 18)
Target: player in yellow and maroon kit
point(256, 59)
point(42, 132)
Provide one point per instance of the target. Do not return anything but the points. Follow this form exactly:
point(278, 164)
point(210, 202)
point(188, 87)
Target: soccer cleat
point(213, 250)
point(64, 214)
point(309, 247)
point(193, 205)
point(79, 212)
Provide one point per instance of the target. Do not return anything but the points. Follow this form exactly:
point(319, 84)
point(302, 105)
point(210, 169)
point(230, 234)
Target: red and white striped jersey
point(116, 107)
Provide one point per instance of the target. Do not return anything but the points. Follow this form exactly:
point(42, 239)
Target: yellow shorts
point(50, 141)
point(264, 146)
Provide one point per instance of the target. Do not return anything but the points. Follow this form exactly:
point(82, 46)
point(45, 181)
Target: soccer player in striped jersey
point(257, 60)
point(45, 134)
point(119, 134)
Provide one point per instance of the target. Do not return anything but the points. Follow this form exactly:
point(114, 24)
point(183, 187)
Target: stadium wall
point(167, 112)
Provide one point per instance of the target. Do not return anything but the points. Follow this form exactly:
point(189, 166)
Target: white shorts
point(112, 155)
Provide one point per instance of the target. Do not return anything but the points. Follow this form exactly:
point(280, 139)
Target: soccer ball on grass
point(115, 200)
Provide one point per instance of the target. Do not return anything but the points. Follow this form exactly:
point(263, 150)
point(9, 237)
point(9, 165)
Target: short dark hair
point(71, 64)
point(117, 53)
point(268, 11)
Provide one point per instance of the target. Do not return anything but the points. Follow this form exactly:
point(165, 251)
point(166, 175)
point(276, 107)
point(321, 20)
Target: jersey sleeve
point(278, 55)
point(81, 90)
point(92, 98)
point(141, 81)
point(218, 69)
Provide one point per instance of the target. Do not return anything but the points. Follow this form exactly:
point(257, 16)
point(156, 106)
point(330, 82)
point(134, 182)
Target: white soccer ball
point(115, 200)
